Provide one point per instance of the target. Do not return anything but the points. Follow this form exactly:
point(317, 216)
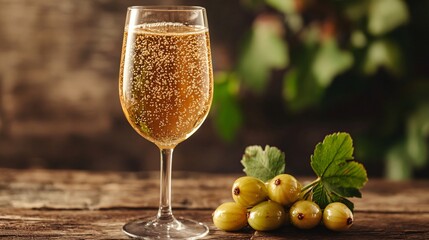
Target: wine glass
point(166, 89)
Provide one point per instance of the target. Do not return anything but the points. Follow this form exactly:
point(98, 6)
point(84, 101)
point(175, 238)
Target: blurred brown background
point(59, 105)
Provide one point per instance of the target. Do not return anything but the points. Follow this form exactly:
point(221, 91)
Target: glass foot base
point(155, 229)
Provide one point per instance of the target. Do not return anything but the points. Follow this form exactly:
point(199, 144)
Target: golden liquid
point(166, 81)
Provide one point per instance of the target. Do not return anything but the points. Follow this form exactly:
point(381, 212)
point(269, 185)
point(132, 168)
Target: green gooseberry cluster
point(269, 206)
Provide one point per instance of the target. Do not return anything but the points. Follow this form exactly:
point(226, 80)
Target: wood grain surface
point(62, 204)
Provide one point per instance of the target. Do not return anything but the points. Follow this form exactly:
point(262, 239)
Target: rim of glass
point(167, 8)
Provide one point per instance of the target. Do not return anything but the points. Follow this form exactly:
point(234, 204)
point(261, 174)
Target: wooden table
point(47, 204)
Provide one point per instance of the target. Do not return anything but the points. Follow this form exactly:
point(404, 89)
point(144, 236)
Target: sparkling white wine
point(166, 82)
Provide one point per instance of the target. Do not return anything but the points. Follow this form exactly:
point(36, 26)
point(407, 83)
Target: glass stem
point(164, 213)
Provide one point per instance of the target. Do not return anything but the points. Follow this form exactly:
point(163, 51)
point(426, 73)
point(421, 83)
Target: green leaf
point(226, 110)
point(293, 17)
point(416, 135)
point(263, 50)
point(358, 39)
point(398, 163)
point(300, 88)
point(263, 164)
point(346, 192)
point(295, 22)
point(321, 196)
point(339, 177)
point(290, 85)
point(356, 10)
point(284, 6)
point(335, 149)
point(386, 15)
point(348, 174)
point(330, 61)
point(383, 53)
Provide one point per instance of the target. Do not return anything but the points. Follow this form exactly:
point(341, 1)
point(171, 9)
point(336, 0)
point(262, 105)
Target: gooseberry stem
point(310, 185)
point(308, 188)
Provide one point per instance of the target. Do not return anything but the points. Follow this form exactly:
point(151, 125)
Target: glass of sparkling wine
point(166, 89)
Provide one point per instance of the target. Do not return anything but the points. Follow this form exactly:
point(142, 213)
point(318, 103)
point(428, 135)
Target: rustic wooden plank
point(394, 196)
point(90, 190)
point(45, 204)
point(62, 189)
point(368, 225)
point(106, 224)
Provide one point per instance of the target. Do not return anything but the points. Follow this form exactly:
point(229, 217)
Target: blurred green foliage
point(263, 50)
point(225, 104)
point(315, 42)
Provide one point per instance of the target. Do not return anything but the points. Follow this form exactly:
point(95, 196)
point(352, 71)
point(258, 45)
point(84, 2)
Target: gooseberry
point(249, 191)
point(337, 217)
point(267, 215)
point(305, 214)
point(230, 216)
